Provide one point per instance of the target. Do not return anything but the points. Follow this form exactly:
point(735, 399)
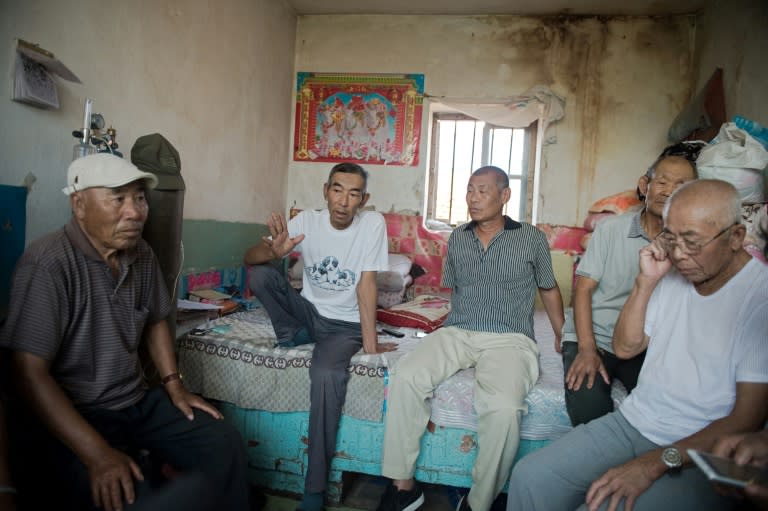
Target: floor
point(365, 491)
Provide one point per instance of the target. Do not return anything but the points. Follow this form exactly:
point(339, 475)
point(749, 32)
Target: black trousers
point(585, 404)
point(208, 453)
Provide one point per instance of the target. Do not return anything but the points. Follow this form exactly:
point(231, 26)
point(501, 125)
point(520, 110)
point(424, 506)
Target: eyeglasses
point(687, 247)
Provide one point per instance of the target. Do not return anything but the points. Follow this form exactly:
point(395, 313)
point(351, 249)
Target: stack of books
point(222, 300)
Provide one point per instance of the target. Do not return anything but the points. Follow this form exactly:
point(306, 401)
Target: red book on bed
point(424, 312)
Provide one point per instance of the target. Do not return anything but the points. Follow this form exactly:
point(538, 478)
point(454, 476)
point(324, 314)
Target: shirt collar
point(83, 244)
point(636, 227)
point(509, 224)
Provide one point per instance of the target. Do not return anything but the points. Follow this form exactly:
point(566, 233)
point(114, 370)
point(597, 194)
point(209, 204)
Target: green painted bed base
point(277, 458)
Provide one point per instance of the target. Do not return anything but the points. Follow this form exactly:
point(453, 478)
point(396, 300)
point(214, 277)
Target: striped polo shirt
point(67, 307)
point(494, 288)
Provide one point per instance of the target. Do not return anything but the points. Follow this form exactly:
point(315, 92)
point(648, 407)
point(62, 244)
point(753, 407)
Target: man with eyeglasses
point(700, 307)
point(604, 278)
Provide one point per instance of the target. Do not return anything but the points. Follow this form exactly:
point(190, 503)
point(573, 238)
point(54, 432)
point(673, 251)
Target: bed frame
point(277, 457)
point(264, 392)
point(277, 440)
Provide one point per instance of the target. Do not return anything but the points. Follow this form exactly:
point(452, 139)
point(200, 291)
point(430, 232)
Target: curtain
point(538, 103)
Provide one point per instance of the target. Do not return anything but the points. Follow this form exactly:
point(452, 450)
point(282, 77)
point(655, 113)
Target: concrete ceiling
point(486, 7)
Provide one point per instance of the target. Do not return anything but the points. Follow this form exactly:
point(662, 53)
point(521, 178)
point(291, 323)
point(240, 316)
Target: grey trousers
point(335, 343)
point(558, 476)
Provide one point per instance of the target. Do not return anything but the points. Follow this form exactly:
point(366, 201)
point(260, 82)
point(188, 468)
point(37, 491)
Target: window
point(461, 144)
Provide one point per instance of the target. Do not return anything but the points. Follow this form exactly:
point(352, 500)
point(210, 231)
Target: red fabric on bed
point(563, 237)
point(407, 235)
point(424, 312)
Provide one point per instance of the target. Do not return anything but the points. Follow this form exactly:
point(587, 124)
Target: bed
point(264, 392)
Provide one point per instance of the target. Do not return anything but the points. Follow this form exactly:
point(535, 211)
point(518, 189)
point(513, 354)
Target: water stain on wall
point(525, 49)
point(582, 48)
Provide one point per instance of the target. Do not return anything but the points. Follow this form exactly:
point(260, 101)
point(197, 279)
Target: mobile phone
point(393, 333)
point(726, 471)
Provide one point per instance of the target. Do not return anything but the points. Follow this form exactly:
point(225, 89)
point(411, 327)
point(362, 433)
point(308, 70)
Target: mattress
point(235, 361)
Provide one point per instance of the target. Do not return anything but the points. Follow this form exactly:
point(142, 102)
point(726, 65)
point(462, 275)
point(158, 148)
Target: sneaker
point(463, 504)
point(454, 494)
point(401, 500)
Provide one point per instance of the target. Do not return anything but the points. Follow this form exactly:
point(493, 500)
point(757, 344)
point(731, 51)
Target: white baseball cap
point(104, 170)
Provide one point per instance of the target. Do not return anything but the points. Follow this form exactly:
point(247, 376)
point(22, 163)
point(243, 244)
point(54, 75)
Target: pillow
point(425, 312)
point(562, 237)
point(595, 218)
point(617, 203)
point(392, 281)
point(389, 298)
point(417, 271)
point(399, 263)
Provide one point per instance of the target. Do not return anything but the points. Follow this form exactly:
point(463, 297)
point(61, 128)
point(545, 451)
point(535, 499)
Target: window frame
point(526, 178)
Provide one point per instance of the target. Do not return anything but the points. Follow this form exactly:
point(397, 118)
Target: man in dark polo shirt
point(81, 299)
point(494, 268)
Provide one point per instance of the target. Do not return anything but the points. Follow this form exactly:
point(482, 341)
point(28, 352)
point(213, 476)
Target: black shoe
point(463, 504)
point(454, 494)
point(400, 500)
point(258, 499)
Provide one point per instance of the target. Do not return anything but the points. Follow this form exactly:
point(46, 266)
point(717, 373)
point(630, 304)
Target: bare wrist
point(646, 282)
point(171, 377)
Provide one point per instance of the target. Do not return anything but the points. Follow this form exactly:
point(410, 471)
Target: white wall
point(733, 35)
point(212, 77)
point(624, 81)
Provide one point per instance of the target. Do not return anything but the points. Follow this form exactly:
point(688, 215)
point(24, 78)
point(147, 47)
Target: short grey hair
point(729, 195)
point(502, 178)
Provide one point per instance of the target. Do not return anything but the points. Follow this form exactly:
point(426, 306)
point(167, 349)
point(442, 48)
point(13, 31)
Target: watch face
point(672, 457)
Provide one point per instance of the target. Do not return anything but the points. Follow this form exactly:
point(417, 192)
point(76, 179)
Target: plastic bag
point(736, 157)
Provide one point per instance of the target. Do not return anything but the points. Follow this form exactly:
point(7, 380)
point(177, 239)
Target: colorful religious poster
point(363, 118)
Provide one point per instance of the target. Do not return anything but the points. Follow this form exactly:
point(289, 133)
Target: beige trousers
point(506, 367)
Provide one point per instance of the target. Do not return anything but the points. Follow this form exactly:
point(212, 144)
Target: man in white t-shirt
point(604, 279)
point(342, 248)
point(700, 307)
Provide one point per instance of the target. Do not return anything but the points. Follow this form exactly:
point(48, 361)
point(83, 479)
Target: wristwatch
point(672, 458)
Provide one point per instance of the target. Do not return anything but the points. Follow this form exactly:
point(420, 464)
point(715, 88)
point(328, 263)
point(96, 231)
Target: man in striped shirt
point(82, 297)
point(494, 267)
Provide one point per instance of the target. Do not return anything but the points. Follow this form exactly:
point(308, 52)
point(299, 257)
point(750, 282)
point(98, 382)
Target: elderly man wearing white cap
point(82, 300)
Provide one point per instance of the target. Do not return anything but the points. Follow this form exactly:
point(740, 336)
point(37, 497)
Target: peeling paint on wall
point(623, 79)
